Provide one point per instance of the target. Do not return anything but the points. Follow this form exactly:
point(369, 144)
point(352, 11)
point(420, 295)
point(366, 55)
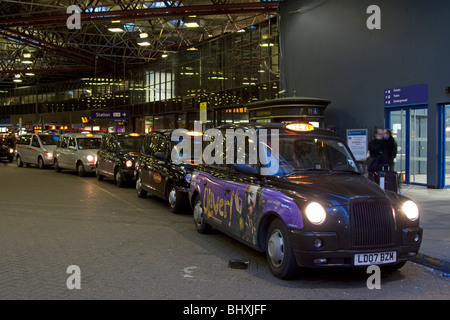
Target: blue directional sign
point(406, 96)
point(110, 114)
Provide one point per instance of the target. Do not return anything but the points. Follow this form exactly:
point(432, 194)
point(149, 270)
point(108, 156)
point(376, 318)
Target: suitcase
point(387, 179)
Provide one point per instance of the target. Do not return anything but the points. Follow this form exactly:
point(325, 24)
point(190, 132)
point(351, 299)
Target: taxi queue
point(304, 202)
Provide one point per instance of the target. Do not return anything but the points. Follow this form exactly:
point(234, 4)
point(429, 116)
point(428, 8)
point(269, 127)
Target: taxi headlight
point(315, 213)
point(411, 210)
point(90, 158)
point(129, 163)
point(11, 150)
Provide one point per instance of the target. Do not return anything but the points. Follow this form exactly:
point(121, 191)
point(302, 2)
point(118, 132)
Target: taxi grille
point(372, 223)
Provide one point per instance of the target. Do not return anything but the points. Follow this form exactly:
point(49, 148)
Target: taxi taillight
point(300, 127)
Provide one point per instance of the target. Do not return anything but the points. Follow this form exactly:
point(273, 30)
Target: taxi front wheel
point(279, 251)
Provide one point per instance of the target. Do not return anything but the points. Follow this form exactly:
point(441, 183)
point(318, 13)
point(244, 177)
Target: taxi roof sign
point(302, 127)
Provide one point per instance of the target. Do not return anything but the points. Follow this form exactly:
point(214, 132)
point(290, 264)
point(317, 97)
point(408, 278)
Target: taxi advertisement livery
point(237, 209)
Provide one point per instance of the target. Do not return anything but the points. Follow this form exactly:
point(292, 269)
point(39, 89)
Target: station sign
point(406, 96)
point(110, 114)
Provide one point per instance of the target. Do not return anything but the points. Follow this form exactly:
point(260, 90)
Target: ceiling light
point(27, 55)
point(17, 80)
point(191, 24)
point(164, 55)
point(144, 43)
point(27, 61)
point(143, 35)
point(115, 29)
point(17, 75)
point(29, 74)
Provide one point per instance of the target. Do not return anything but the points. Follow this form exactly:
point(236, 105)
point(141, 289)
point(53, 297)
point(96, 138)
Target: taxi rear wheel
point(120, 182)
point(200, 224)
point(279, 251)
point(56, 166)
point(139, 190)
point(41, 164)
point(80, 169)
point(174, 200)
point(19, 161)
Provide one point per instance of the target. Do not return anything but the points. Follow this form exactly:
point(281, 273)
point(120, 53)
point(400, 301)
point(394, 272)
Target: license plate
point(367, 259)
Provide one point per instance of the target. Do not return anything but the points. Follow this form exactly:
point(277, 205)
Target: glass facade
point(226, 72)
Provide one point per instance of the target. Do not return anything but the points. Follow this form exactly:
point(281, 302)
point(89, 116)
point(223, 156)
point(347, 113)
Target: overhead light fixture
point(143, 35)
point(27, 55)
point(192, 24)
point(17, 75)
point(115, 29)
point(29, 74)
point(164, 55)
point(27, 61)
point(17, 80)
point(144, 43)
point(266, 44)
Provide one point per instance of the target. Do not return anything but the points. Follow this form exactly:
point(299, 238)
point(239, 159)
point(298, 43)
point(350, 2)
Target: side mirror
point(247, 168)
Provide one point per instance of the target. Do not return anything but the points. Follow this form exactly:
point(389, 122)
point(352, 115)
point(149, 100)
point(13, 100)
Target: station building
point(346, 65)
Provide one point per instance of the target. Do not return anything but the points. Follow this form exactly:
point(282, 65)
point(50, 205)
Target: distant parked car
point(77, 152)
point(7, 148)
point(117, 156)
point(36, 148)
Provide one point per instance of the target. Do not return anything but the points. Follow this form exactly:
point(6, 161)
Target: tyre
point(19, 161)
point(41, 164)
point(279, 253)
point(98, 174)
point(56, 166)
point(80, 169)
point(120, 181)
point(139, 190)
point(174, 200)
point(200, 224)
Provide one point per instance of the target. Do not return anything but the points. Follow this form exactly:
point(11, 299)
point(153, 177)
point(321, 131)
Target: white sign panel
point(357, 142)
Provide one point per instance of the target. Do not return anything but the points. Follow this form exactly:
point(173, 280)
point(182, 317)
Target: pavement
point(434, 205)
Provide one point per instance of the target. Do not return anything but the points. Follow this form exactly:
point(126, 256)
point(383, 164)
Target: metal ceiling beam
point(179, 11)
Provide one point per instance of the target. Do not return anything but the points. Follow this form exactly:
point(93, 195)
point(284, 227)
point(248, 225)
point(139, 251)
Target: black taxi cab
point(117, 156)
point(159, 174)
point(301, 199)
point(7, 145)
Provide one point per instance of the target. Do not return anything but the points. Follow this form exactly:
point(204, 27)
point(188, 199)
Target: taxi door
point(106, 156)
point(34, 149)
point(159, 167)
point(146, 160)
point(233, 199)
point(71, 154)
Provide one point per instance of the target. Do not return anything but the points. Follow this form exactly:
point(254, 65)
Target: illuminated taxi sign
point(194, 133)
point(301, 127)
point(134, 135)
point(89, 135)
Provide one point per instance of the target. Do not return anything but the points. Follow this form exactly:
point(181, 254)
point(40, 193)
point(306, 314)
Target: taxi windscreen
point(88, 143)
point(130, 144)
point(314, 154)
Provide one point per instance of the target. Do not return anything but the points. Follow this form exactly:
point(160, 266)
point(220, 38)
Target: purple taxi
point(313, 208)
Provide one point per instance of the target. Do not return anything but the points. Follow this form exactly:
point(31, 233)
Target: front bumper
point(321, 249)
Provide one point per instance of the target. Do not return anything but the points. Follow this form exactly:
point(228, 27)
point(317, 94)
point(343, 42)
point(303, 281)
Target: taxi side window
point(35, 142)
point(72, 142)
point(151, 144)
point(24, 140)
point(162, 146)
point(63, 142)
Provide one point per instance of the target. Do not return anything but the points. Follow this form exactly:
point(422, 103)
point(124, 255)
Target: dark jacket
point(377, 149)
